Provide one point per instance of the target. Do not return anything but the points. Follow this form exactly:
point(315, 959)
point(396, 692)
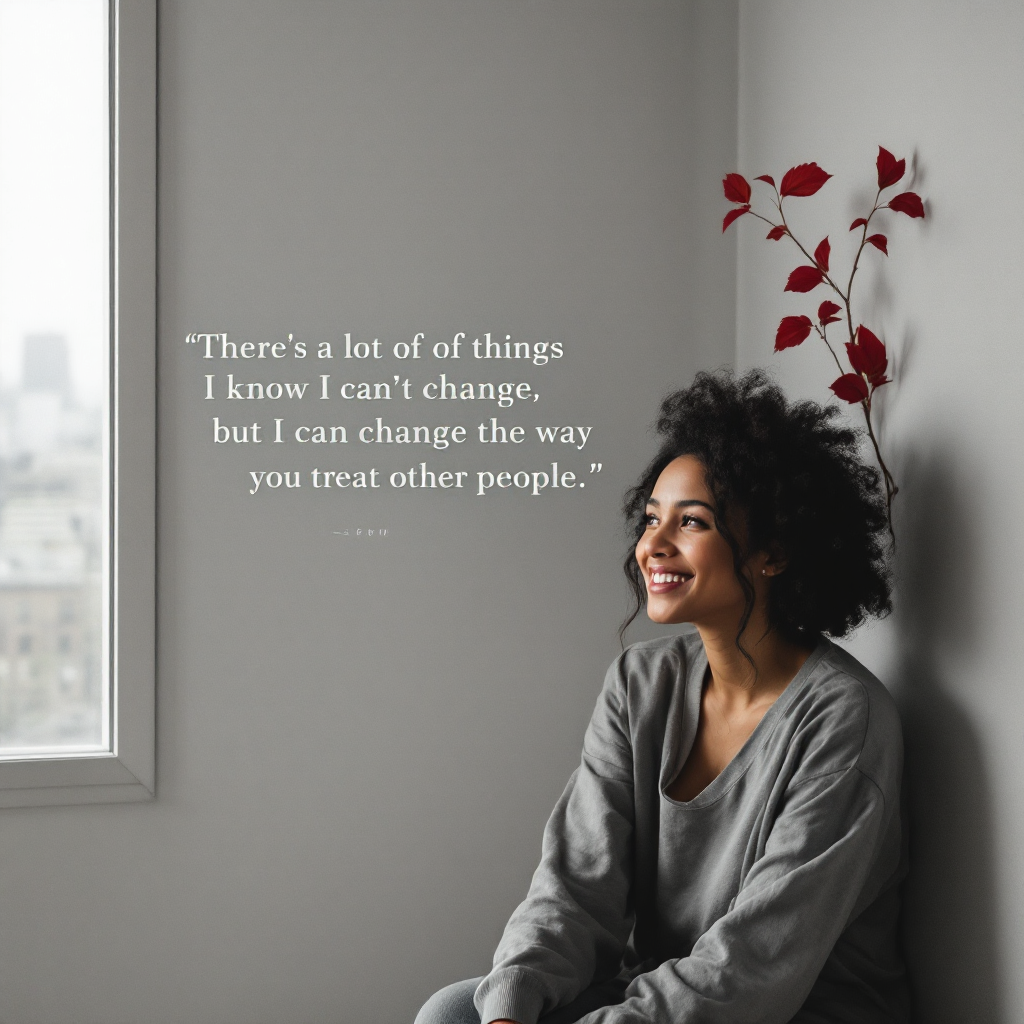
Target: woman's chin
point(664, 616)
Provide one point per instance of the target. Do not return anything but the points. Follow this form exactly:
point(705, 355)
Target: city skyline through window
point(54, 376)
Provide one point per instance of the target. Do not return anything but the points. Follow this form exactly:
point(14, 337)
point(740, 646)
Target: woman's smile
point(661, 581)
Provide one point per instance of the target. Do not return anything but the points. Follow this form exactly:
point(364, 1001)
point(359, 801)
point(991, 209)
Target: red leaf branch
point(865, 351)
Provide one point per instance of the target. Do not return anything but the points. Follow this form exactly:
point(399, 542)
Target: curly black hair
point(794, 477)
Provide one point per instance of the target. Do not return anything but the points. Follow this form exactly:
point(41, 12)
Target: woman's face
point(687, 564)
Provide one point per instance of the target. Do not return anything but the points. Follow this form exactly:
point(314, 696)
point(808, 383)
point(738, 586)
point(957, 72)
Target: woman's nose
point(658, 542)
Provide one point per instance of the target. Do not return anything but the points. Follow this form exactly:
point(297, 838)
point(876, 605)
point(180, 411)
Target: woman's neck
point(776, 661)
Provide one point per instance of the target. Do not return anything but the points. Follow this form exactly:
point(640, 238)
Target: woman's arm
point(820, 868)
point(575, 921)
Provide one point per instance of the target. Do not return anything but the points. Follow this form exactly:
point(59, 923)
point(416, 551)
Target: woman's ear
point(774, 561)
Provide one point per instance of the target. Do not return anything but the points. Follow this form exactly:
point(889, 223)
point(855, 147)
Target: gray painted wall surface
point(944, 82)
point(358, 743)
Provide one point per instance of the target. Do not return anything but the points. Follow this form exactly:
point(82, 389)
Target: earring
point(764, 572)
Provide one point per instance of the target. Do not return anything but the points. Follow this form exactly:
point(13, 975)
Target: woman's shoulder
point(646, 658)
point(843, 717)
point(841, 685)
point(639, 688)
point(647, 676)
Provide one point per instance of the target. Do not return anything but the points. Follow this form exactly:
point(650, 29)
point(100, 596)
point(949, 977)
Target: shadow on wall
point(949, 928)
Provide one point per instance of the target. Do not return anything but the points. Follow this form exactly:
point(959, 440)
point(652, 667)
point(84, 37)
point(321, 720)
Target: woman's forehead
point(683, 478)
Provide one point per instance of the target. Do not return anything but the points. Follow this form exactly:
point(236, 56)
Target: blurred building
point(52, 525)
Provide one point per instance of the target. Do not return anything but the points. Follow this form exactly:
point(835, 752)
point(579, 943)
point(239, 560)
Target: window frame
point(127, 771)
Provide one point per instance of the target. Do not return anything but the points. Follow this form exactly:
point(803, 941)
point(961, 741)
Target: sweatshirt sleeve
point(573, 926)
point(759, 961)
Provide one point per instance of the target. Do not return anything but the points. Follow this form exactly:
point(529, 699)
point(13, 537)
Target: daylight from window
point(54, 372)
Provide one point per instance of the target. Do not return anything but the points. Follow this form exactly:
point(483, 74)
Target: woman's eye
point(692, 521)
point(650, 519)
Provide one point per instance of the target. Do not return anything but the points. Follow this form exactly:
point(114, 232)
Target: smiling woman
point(731, 846)
point(792, 480)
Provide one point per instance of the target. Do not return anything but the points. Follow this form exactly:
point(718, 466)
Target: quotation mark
point(595, 467)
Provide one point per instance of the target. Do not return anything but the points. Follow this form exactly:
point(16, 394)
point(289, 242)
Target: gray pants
point(454, 1004)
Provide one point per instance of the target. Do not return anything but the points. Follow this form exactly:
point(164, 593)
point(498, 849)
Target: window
point(77, 341)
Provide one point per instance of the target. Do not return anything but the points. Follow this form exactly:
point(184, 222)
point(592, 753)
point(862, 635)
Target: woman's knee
point(451, 1005)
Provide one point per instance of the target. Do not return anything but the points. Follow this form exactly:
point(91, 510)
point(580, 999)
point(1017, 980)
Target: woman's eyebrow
point(681, 504)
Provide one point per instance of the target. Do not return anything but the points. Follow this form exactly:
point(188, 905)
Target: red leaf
point(890, 170)
point(827, 313)
point(872, 344)
point(879, 242)
point(867, 355)
point(792, 331)
point(878, 383)
point(776, 233)
point(736, 188)
point(821, 254)
point(856, 356)
point(733, 214)
point(803, 279)
point(766, 177)
point(850, 388)
point(858, 223)
point(908, 203)
point(803, 180)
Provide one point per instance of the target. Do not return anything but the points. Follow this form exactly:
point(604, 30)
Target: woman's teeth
point(666, 577)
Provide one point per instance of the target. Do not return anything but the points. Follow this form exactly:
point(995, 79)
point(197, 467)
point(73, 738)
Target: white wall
point(942, 83)
point(358, 747)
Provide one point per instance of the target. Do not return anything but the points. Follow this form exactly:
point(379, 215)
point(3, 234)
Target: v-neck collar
point(682, 729)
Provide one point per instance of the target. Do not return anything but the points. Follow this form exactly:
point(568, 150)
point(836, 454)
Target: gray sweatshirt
point(770, 897)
